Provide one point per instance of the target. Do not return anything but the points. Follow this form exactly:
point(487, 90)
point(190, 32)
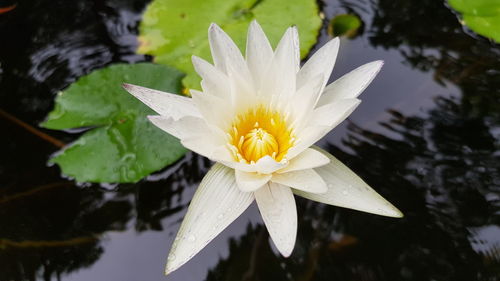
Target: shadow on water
point(441, 168)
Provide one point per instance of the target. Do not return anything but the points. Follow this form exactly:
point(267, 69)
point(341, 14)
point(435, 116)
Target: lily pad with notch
point(120, 145)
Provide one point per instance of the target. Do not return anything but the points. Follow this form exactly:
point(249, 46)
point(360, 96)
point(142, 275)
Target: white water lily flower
point(258, 117)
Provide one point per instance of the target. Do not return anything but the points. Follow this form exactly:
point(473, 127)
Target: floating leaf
point(121, 144)
point(482, 16)
point(173, 30)
point(344, 25)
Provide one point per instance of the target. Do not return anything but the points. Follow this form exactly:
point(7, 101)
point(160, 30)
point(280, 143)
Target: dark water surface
point(427, 137)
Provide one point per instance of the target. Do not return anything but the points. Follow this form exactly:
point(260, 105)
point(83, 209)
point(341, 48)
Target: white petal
point(321, 62)
point(215, 110)
point(186, 127)
point(226, 55)
point(287, 56)
point(267, 165)
point(251, 181)
point(239, 166)
point(163, 103)
point(322, 121)
point(259, 52)
point(333, 113)
point(214, 81)
point(193, 133)
point(216, 203)
point(242, 93)
point(280, 79)
point(204, 145)
point(346, 189)
point(304, 100)
point(277, 207)
point(352, 84)
point(309, 158)
point(222, 154)
point(306, 180)
point(308, 136)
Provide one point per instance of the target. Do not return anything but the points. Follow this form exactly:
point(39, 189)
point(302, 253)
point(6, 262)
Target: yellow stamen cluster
point(260, 132)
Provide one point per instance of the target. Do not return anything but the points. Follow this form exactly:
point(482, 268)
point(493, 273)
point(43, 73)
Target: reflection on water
point(440, 167)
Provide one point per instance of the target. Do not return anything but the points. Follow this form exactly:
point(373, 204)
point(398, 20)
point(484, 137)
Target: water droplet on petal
point(220, 216)
point(191, 238)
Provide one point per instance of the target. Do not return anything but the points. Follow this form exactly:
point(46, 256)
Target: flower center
point(259, 132)
point(258, 143)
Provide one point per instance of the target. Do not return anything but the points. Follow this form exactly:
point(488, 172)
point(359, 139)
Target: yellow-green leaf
point(482, 16)
point(174, 30)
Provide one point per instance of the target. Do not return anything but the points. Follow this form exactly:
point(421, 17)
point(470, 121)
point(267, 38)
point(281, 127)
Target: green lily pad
point(482, 16)
point(121, 144)
point(344, 25)
point(174, 30)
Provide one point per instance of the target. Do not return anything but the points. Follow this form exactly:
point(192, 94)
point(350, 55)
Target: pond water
point(427, 137)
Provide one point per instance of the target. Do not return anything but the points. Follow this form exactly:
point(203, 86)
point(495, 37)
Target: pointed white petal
point(333, 113)
point(214, 81)
point(287, 52)
point(306, 180)
point(248, 182)
point(203, 145)
point(267, 165)
point(346, 189)
point(215, 110)
point(239, 166)
point(193, 133)
point(222, 154)
point(280, 80)
point(242, 93)
point(163, 103)
point(296, 46)
point(321, 62)
point(322, 121)
point(307, 159)
point(308, 136)
point(279, 212)
point(305, 99)
point(216, 203)
point(352, 84)
point(186, 127)
point(259, 52)
point(226, 55)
